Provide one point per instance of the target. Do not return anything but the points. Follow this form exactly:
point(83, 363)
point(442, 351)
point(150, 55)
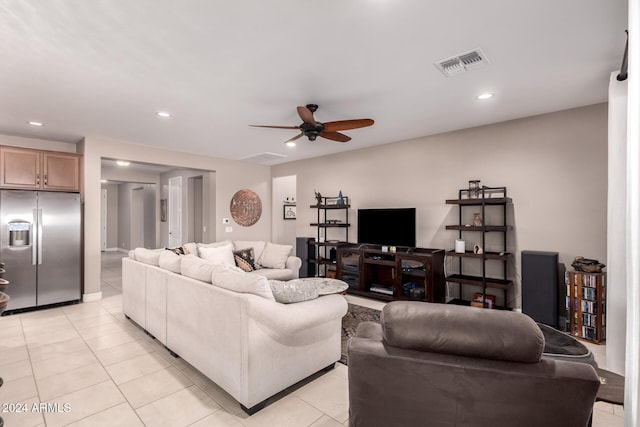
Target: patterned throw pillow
point(245, 259)
point(180, 250)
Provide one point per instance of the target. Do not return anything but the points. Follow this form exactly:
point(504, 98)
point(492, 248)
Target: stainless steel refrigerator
point(40, 244)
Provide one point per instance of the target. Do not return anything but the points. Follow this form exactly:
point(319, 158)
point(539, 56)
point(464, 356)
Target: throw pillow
point(214, 244)
point(180, 250)
point(169, 260)
point(275, 256)
point(236, 280)
point(191, 247)
point(293, 291)
point(147, 256)
point(245, 259)
point(257, 245)
point(218, 255)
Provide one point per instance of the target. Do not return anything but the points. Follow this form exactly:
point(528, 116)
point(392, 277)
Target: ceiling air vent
point(462, 62)
point(264, 158)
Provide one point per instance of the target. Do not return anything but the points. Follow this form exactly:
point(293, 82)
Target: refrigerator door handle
point(39, 236)
point(33, 238)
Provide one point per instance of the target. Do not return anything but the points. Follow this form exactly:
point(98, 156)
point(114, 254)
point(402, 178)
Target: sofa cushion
point(170, 260)
point(257, 245)
point(245, 259)
point(292, 291)
point(462, 331)
point(196, 268)
point(147, 256)
point(236, 280)
point(274, 255)
point(218, 255)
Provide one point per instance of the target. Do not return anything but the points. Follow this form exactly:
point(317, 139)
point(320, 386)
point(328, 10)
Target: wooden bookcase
point(586, 305)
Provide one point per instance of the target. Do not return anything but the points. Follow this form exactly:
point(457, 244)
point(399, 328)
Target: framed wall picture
point(288, 212)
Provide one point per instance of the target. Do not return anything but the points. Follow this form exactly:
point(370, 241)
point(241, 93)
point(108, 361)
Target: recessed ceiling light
point(122, 163)
point(291, 144)
point(104, 181)
point(163, 114)
point(484, 96)
point(32, 123)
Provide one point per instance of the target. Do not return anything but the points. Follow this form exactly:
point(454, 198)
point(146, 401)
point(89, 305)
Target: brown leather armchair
point(445, 365)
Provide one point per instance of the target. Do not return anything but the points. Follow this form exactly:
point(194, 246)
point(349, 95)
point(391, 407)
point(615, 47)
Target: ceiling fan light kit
point(313, 129)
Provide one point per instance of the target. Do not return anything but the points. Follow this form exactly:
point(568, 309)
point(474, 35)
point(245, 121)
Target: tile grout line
point(103, 367)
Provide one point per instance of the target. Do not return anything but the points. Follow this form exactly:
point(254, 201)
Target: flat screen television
point(390, 227)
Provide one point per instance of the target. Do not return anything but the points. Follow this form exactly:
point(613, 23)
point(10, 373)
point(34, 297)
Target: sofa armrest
point(288, 319)
point(294, 263)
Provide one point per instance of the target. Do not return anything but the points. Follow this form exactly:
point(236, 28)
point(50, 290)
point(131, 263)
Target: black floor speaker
point(540, 286)
point(306, 252)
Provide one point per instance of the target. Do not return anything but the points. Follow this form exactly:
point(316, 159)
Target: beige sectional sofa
point(230, 327)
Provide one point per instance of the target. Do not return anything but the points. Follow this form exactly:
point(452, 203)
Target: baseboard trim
point(95, 296)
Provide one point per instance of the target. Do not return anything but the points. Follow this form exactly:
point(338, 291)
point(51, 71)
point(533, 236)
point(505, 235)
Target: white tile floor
point(101, 370)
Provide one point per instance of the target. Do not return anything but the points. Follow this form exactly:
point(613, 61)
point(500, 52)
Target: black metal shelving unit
point(485, 200)
point(324, 222)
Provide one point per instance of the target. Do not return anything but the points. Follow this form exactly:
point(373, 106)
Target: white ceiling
point(104, 68)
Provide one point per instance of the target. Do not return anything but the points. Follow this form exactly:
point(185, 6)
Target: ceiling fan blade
point(275, 127)
point(347, 124)
point(294, 138)
point(306, 115)
point(335, 136)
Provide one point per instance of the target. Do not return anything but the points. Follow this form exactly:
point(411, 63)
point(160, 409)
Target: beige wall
point(231, 176)
point(553, 165)
point(283, 231)
point(112, 215)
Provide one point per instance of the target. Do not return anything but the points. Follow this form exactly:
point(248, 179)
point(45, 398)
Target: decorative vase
point(477, 221)
point(474, 188)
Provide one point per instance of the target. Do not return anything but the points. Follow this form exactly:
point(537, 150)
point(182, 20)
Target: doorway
point(196, 209)
point(103, 220)
point(175, 211)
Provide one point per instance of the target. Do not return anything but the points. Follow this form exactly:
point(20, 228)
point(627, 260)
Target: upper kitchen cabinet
point(61, 171)
point(39, 170)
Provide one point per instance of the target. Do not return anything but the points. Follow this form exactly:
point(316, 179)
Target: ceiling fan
point(311, 128)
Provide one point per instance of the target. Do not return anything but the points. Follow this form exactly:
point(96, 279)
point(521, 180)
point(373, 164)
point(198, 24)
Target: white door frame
point(103, 220)
point(174, 211)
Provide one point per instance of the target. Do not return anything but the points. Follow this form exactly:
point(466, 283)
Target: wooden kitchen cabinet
point(23, 168)
point(61, 171)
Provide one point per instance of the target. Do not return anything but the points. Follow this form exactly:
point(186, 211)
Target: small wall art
point(289, 212)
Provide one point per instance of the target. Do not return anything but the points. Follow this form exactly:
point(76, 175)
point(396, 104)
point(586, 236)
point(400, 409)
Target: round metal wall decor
point(246, 207)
